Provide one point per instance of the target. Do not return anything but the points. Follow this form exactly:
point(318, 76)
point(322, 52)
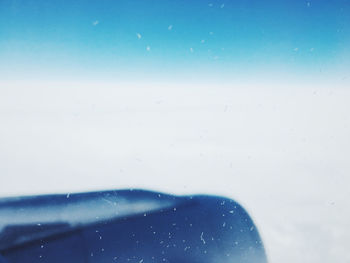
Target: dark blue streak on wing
point(25, 219)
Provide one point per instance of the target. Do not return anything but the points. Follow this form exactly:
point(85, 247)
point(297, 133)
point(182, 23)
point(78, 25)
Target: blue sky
point(118, 39)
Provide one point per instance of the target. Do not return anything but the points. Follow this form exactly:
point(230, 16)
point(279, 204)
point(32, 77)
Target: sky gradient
point(146, 40)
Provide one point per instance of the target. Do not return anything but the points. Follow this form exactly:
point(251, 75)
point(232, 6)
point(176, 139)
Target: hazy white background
point(283, 151)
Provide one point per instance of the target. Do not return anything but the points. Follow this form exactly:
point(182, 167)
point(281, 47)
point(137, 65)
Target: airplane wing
point(127, 226)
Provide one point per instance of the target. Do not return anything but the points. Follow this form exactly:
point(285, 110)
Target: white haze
point(282, 151)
